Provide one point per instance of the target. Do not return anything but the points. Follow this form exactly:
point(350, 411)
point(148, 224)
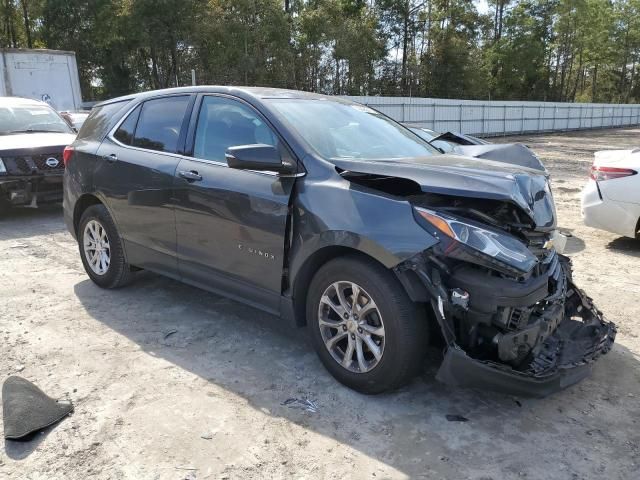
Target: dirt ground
point(170, 382)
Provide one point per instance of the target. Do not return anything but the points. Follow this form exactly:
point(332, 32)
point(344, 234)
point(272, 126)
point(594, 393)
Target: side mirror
point(259, 157)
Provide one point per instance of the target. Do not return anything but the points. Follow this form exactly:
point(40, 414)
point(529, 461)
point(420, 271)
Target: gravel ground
point(170, 382)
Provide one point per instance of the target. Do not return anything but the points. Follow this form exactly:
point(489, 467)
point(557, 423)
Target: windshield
point(424, 133)
point(31, 118)
point(350, 131)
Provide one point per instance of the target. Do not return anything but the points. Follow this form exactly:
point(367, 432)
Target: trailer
point(47, 75)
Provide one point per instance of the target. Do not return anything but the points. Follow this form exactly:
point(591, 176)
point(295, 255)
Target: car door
point(135, 176)
point(231, 223)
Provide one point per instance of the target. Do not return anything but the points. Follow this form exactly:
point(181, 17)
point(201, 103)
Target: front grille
point(518, 319)
point(22, 165)
point(41, 161)
point(33, 164)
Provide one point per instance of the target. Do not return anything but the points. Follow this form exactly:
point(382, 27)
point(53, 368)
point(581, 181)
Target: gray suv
point(337, 218)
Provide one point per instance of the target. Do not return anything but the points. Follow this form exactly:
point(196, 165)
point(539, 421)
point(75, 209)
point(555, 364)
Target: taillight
point(67, 153)
point(608, 173)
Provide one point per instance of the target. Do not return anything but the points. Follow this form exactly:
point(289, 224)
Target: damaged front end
point(500, 288)
point(504, 298)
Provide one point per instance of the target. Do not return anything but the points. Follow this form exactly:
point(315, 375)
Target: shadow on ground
point(574, 245)
point(44, 219)
point(625, 245)
point(21, 449)
point(258, 357)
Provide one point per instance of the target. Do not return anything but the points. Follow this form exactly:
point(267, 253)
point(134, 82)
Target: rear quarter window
point(100, 120)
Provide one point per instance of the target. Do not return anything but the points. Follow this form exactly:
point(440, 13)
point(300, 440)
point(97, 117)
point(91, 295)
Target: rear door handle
point(190, 175)
point(111, 158)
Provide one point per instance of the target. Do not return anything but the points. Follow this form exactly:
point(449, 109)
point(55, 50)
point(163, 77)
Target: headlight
point(3, 169)
point(500, 249)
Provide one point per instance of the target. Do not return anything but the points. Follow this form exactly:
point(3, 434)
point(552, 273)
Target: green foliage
point(562, 50)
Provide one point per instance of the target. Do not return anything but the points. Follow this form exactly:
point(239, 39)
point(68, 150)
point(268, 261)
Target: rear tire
point(392, 327)
point(101, 249)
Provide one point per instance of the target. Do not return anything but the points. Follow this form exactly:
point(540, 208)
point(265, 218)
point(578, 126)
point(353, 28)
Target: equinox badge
point(255, 251)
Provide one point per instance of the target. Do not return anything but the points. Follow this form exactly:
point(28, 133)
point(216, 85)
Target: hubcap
point(97, 251)
point(351, 326)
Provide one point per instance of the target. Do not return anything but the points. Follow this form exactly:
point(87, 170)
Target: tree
point(564, 50)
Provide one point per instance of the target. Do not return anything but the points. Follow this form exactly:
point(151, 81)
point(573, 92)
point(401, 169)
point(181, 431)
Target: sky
point(482, 6)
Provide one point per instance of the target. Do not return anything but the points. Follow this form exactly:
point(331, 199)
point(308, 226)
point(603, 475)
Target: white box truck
point(47, 75)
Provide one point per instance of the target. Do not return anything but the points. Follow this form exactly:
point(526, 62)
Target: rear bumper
point(21, 190)
point(606, 214)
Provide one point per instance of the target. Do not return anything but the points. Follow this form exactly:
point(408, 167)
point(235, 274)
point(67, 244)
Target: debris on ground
point(27, 409)
point(302, 404)
point(169, 333)
point(456, 418)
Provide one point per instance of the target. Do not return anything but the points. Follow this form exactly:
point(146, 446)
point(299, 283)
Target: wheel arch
point(84, 202)
point(308, 269)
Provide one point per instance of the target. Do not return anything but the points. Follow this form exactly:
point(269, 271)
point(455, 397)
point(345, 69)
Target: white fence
point(492, 118)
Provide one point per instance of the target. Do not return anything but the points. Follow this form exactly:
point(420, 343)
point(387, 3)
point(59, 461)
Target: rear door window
point(223, 123)
point(160, 123)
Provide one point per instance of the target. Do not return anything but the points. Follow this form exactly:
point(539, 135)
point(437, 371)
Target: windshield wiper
point(32, 130)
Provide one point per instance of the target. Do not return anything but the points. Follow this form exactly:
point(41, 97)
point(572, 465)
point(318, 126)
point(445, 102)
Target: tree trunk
point(405, 44)
point(633, 72)
point(500, 19)
point(27, 26)
point(154, 68)
point(578, 72)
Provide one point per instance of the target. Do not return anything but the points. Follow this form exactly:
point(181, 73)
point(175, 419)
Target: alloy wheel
point(351, 326)
point(97, 250)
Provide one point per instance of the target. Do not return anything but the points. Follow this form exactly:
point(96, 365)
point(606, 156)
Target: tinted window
point(224, 123)
point(124, 134)
point(160, 123)
point(100, 120)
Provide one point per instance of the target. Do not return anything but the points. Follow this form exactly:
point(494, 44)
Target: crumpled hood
point(25, 141)
point(511, 153)
point(460, 176)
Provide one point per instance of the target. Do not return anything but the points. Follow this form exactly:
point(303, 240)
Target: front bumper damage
point(528, 338)
point(32, 178)
point(31, 190)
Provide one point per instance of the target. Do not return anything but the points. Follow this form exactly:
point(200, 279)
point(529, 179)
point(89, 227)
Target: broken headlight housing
point(481, 245)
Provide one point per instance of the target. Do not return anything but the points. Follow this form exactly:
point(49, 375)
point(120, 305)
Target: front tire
point(366, 330)
point(101, 249)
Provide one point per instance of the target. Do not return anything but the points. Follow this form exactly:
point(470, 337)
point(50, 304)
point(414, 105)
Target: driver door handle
point(111, 158)
point(190, 175)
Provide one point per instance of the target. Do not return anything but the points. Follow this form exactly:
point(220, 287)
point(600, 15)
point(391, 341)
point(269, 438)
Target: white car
point(611, 199)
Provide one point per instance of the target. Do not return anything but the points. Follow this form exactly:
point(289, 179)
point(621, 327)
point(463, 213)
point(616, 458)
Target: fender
point(367, 221)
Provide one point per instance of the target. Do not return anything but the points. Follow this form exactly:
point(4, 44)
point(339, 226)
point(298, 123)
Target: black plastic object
point(255, 157)
point(460, 370)
point(27, 409)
